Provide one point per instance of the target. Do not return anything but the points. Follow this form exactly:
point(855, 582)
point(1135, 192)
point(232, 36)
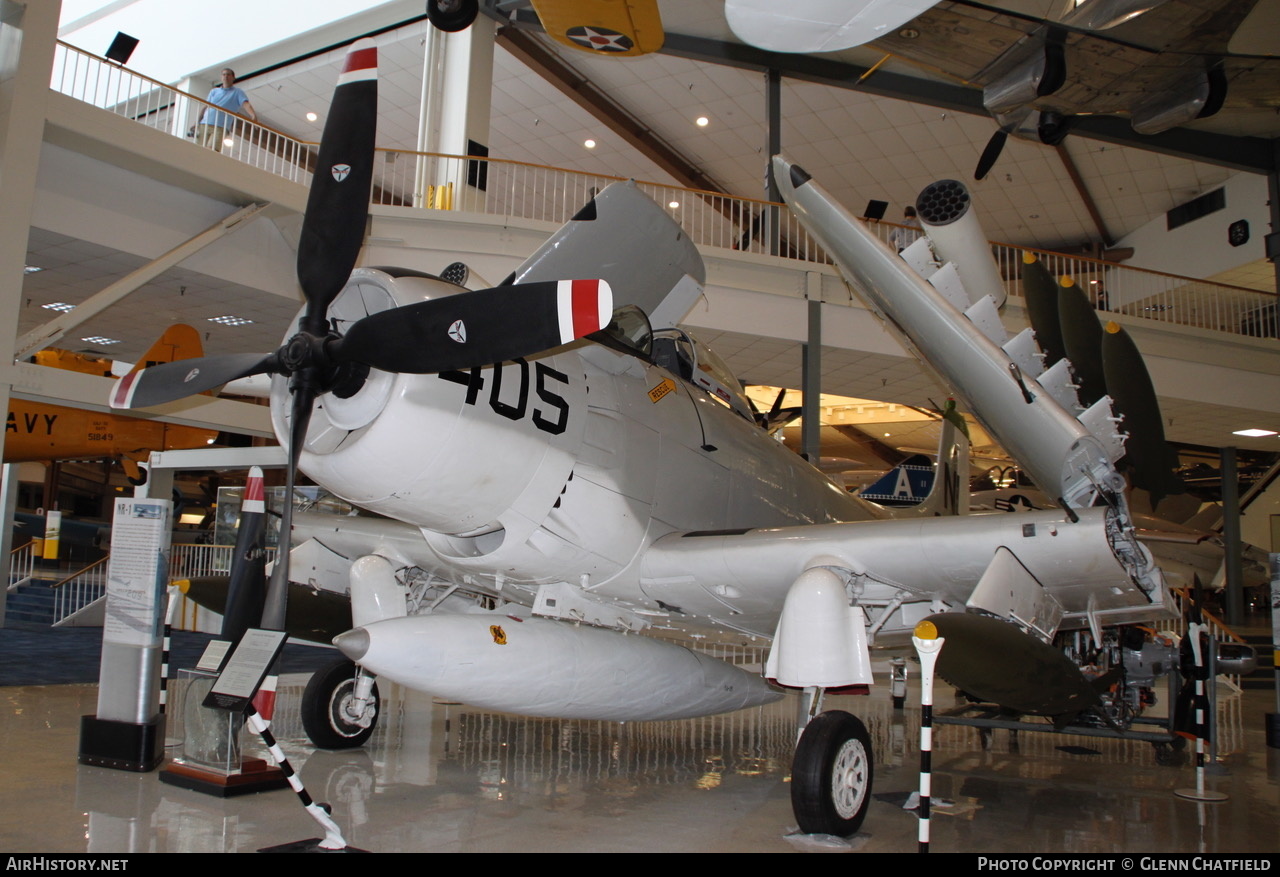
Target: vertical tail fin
point(179, 341)
point(944, 486)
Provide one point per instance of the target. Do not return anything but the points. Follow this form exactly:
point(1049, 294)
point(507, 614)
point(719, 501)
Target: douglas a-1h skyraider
point(538, 500)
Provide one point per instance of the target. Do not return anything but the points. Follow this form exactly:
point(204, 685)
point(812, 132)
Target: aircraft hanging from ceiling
point(550, 480)
point(1161, 63)
point(37, 432)
point(620, 28)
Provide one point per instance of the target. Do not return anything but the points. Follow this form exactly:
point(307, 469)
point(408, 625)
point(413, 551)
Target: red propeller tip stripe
point(254, 495)
point(122, 393)
point(361, 63)
point(585, 306)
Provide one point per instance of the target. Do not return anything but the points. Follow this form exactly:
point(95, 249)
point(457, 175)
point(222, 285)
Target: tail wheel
point(831, 775)
point(328, 709)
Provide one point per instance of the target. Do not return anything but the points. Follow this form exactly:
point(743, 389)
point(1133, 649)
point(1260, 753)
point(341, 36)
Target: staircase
point(42, 599)
point(30, 605)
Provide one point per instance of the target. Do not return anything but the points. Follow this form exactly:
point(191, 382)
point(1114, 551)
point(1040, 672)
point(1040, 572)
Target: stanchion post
point(928, 644)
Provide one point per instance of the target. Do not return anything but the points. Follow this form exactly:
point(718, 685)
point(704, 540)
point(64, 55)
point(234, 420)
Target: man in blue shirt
point(212, 130)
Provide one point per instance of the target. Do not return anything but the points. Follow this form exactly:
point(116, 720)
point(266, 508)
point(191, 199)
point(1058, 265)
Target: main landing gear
point(831, 775)
point(340, 706)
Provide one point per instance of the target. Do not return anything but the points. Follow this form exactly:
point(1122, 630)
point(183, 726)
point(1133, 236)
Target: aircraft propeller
point(1039, 126)
point(468, 329)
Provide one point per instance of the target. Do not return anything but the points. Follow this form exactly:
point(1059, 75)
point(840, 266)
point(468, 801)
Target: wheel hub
point(849, 778)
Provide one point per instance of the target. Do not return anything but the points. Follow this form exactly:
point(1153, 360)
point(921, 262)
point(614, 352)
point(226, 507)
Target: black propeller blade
point(247, 588)
point(478, 327)
point(187, 377)
point(338, 205)
point(990, 155)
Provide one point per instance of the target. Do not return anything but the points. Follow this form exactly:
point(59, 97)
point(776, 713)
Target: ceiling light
point(228, 142)
point(1254, 433)
point(229, 320)
point(590, 144)
point(674, 205)
point(101, 339)
point(31, 269)
point(58, 306)
point(702, 121)
point(311, 117)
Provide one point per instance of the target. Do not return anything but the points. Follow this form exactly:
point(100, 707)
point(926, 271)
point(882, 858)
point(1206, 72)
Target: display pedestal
point(210, 759)
point(122, 745)
point(254, 775)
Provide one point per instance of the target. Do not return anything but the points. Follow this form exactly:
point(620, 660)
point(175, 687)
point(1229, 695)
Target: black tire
point(831, 775)
point(323, 703)
point(452, 16)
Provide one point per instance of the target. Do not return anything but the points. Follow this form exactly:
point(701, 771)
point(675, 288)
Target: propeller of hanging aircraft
point(468, 329)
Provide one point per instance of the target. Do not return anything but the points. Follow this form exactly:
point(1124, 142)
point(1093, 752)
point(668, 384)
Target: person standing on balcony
point(904, 237)
point(212, 130)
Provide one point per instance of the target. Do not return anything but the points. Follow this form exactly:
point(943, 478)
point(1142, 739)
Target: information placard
point(245, 669)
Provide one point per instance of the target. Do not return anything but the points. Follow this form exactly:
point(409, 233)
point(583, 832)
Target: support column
point(773, 123)
point(811, 378)
point(1273, 200)
point(457, 80)
point(8, 505)
point(27, 36)
point(1234, 595)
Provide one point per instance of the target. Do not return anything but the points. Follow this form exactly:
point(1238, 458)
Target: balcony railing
point(518, 190)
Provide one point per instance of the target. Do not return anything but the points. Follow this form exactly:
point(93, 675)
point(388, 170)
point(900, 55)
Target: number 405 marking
point(551, 416)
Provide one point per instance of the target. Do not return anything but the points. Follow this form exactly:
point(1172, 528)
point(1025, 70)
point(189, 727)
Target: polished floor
point(446, 778)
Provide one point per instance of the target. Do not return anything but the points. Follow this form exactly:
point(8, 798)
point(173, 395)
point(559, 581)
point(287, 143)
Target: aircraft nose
point(354, 643)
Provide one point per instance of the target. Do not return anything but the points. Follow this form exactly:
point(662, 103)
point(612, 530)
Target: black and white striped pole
point(928, 644)
point(1196, 631)
point(332, 839)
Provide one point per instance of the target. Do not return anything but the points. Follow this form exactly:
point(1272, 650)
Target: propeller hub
point(299, 352)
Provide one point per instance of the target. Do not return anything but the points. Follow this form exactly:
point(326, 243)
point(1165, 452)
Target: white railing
point(118, 90)
point(22, 564)
point(79, 590)
point(189, 561)
point(520, 190)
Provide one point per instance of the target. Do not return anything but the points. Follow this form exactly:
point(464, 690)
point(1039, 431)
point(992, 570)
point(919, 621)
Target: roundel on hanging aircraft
point(458, 331)
point(601, 39)
point(340, 171)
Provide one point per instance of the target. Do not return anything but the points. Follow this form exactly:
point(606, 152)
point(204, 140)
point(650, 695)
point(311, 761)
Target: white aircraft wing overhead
point(818, 25)
point(626, 239)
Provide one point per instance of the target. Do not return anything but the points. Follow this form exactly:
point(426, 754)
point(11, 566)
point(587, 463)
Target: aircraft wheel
point(451, 16)
point(327, 715)
point(831, 775)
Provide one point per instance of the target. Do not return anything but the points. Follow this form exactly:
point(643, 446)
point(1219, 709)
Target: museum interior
point(746, 385)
